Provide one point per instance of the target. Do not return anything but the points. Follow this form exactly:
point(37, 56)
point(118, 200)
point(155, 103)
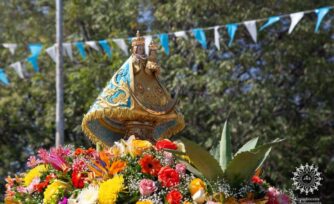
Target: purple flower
point(63, 201)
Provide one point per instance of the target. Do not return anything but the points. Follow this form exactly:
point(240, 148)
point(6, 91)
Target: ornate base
point(142, 130)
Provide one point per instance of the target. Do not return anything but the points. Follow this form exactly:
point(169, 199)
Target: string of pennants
point(198, 33)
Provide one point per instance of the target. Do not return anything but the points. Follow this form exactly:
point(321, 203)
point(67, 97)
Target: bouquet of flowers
point(137, 171)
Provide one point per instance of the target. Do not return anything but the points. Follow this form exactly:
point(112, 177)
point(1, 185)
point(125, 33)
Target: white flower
point(199, 196)
point(88, 195)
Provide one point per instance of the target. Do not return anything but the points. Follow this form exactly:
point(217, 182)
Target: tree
point(279, 87)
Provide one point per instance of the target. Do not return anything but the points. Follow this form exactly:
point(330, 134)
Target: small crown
point(153, 46)
point(138, 40)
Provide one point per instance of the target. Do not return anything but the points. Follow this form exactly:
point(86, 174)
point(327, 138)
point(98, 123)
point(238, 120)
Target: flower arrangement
point(135, 171)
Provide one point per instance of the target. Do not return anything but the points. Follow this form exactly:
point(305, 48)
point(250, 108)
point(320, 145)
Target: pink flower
point(43, 154)
point(21, 189)
point(146, 187)
point(55, 157)
point(180, 168)
point(79, 165)
point(33, 161)
point(277, 197)
point(168, 158)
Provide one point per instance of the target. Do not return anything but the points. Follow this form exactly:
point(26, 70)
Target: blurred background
point(281, 86)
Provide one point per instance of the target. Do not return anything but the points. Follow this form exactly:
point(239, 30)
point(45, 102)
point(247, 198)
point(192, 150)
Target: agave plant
point(235, 168)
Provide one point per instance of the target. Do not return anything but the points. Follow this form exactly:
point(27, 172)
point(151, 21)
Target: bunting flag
point(106, 48)
point(3, 77)
point(181, 34)
point(321, 13)
point(51, 51)
point(200, 36)
point(35, 50)
point(122, 45)
point(19, 69)
point(271, 20)
point(67, 47)
point(11, 46)
point(148, 40)
point(198, 33)
point(164, 42)
point(295, 18)
point(217, 36)
point(251, 28)
point(81, 48)
point(231, 29)
point(93, 45)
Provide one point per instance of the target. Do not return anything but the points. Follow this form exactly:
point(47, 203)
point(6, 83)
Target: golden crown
point(138, 40)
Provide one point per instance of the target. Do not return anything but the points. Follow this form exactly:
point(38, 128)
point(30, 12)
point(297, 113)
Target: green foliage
point(203, 160)
point(279, 87)
point(248, 146)
point(225, 147)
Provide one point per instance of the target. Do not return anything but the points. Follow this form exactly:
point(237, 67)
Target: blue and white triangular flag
point(19, 69)
point(11, 46)
point(51, 51)
point(3, 77)
point(105, 46)
point(271, 20)
point(93, 45)
point(35, 50)
point(67, 47)
point(321, 13)
point(181, 34)
point(164, 42)
point(122, 45)
point(295, 18)
point(148, 40)
point(217, 37)
point(81, 48)
point(199, 35)
point(251, 27)
point(231, 29)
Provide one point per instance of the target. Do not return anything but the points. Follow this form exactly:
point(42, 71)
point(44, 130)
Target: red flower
point(257, 180)
point(165, 144)
point(174, 197)
point(40, 187)
point(78, 179)
point(168, 177)
point(150, 165)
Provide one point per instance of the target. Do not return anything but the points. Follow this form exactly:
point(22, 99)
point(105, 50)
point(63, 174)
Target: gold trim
point(121, 113)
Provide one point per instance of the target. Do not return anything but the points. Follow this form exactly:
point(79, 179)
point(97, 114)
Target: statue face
point(140, 50)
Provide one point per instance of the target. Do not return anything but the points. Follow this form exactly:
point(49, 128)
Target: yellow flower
point(52, 190)
point(33, 173)
point(196, 185)
point(144, 202)
point(109, 190)
point(137, 147)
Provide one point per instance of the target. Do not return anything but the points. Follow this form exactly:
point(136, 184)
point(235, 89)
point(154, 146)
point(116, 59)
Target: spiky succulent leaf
point(251, 144)
point(202, 160)
point(225, 147)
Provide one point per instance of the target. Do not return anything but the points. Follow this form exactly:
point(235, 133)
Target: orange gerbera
point(117, 166)
point(150, 165)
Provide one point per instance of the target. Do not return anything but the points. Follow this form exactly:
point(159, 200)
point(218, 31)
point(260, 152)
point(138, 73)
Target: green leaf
point(202, 160)
point(225, 147)
point(251, 144)
point(244, 164)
